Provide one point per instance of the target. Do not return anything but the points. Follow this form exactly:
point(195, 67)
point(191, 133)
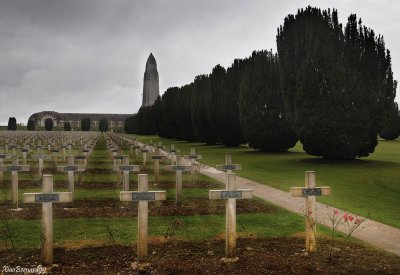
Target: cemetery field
point(98, 233)
point(367, 186)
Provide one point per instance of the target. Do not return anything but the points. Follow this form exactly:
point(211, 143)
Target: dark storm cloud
point(89, 56)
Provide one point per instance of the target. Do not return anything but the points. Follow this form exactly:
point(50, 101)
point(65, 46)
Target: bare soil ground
point(256, 256)
point(109, 208)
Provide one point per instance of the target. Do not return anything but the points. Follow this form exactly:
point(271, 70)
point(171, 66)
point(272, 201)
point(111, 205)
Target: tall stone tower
point(150, 82)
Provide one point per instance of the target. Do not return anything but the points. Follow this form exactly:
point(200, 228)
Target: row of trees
point(329, 86)
point(229, 106)
point(49, 124)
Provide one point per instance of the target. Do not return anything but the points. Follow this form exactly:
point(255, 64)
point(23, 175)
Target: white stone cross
point(310, 192)
point(2, 157)
point(83, 159)
point(41, 157)
point(47, 198)
point(71, 168)
point(125, 169)
point(172, 153)
point(157, 159)
point(136, 147)
point(55, 152)
point(229, 167)
point(179, 168)
point(143, 196)
point(193, 157)
point(144, 153)
point(230, 194)
point(14, 169)
point(24, 151)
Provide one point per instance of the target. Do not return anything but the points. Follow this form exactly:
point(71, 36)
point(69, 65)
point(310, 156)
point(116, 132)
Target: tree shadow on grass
point(267, 153)
point(341, 162)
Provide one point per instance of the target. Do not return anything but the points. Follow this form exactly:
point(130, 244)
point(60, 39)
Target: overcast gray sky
point(90, 55)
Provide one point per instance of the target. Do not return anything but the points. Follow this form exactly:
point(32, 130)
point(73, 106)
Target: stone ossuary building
point(150, 94)
point(114, 120)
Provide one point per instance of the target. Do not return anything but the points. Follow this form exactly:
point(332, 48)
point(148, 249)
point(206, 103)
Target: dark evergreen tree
point(129, 125)
point(31, 125)
point(12, 124)
point(184, 118)
point(391, 126)
point(85, 124)
point(332, 83)
point(213, 94)
point(147, 121)
point(230, 128)
point(103, 125)
point(200, 121)
point(167, 114)
point(261, 108)
point(48, 124)
point(67, 126)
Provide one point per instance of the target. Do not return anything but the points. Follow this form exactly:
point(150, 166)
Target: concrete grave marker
point(157, 159)
point(41, 157)
point(55, 152)
point(143, 196)
point(47, 198)
point(14, 169)
point(2, 157)
point(83, 159)
point(172, 154)
point(125, 169)
point(230, 195)
point(229, 167)
point(179, 168)
point(71, 168)
point(144, 154)
point(309, 192)
point(193, 157)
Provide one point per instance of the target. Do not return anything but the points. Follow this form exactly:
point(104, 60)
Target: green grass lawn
point(278, 170)
point(124, 230)
point(363, 186)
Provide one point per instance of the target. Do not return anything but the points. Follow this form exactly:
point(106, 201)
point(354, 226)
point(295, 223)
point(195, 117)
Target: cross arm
point(17, 168)
point(229, 167)
point(178, 167)
point(305, 192)
point(52, 197)
point(73, 168)
point(132, 168)
point(143, 196)
point(234, 194)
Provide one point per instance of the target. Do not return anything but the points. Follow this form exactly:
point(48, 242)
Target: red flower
point(335, 212)
point(351, 218)
point(345, 217)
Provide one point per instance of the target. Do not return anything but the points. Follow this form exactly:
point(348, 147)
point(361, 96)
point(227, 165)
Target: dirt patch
point(256, 256)
point(108, 208)
point(189, 184)
point(34, 183)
